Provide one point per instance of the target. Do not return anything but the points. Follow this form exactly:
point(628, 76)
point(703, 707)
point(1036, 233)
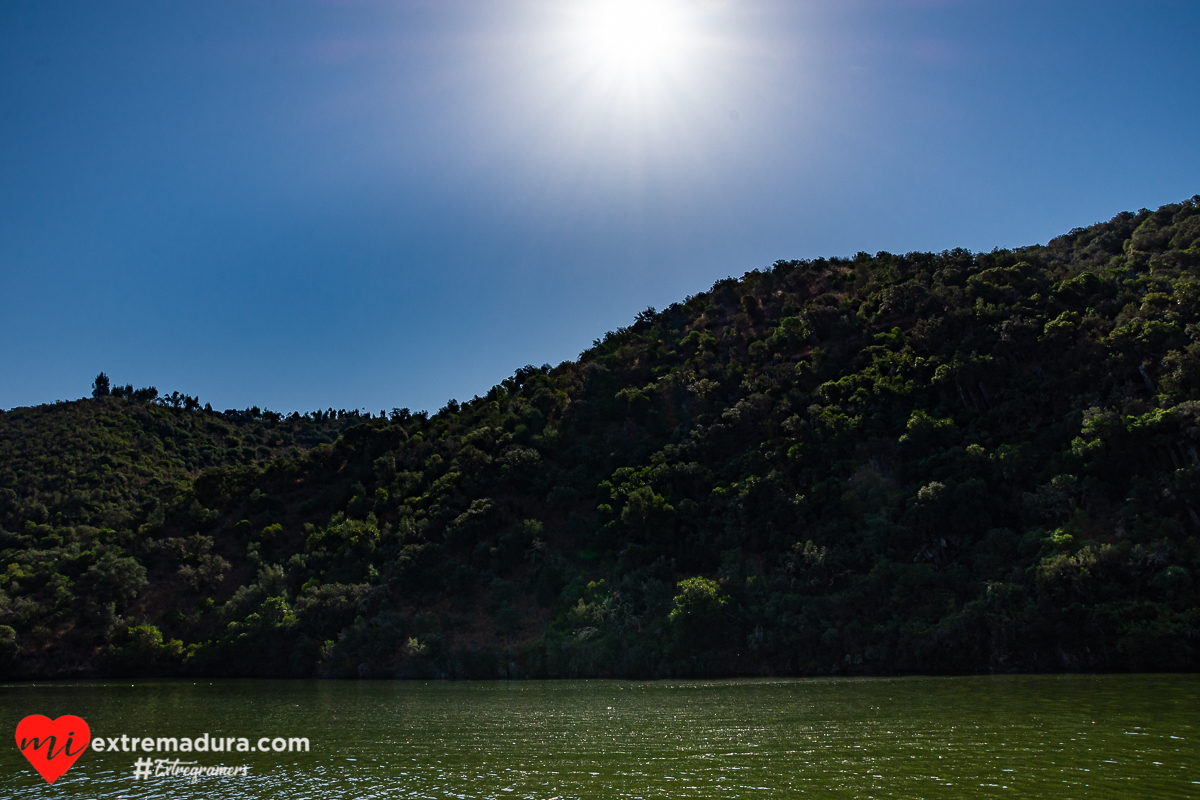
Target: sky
point(355, 204)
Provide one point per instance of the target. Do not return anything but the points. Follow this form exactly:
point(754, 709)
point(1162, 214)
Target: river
point(1086, 736)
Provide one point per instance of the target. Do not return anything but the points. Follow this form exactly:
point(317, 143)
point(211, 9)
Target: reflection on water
point(1012, 736)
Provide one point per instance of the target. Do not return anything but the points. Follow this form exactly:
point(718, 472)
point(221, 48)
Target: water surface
point(1013, 736)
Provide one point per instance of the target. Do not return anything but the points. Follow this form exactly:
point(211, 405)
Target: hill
point(933, 462)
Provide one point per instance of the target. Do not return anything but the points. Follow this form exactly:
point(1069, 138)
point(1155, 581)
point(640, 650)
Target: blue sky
point(367, 205)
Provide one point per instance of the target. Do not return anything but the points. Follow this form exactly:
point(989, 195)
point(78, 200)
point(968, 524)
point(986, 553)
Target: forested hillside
point(926, 462)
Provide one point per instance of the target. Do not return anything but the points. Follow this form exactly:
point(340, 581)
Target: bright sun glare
point(631, 73)
point(631, 38)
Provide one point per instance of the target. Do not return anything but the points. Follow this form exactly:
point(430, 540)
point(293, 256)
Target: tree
point(699, 614)
point(100, 386)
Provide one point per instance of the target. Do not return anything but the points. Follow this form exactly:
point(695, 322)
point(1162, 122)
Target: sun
point(626, 77)
point(631, 39)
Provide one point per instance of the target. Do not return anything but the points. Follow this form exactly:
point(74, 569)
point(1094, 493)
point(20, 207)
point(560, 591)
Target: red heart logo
point(52, 745)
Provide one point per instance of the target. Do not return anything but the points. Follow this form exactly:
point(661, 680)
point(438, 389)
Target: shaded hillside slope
point(928, 462)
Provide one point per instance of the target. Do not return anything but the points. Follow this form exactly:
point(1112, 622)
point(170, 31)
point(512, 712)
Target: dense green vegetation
point(928, 462)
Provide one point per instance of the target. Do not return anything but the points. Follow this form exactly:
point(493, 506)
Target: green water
point(1013, 736)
